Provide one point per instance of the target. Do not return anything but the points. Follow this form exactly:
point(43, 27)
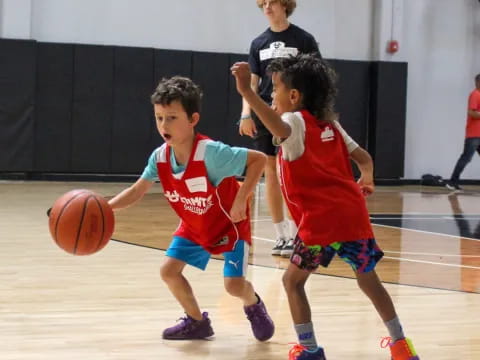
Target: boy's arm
point(254, 168)
point(365, 164)
point(131, 194)
point(272, 121)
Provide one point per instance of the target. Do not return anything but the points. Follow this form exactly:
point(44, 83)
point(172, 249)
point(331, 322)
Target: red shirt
point(203, 208)
point(473, 125)
point(321, 193)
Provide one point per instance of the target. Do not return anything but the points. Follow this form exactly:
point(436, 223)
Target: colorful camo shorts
point(362, 255)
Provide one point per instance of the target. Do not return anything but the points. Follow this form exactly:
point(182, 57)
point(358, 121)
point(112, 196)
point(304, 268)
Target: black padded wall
point(17, 92)
point(132, 111)
point(92, 108)
point(353, 81)
point(388, 118)
point(232, 137)
point(168, 63)
point(211, 72)
point(53, 107)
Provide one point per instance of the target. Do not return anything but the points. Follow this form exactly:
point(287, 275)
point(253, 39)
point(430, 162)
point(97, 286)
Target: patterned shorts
point(362, 255)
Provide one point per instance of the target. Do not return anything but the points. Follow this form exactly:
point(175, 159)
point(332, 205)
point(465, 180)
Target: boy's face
point(283, 98)
point(274, 10)
point(173, 123)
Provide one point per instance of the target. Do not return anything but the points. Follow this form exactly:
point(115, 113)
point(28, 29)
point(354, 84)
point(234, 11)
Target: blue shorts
point(236, 261)
point(361, 255)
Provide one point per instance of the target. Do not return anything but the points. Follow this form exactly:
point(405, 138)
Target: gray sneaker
point(262, 325)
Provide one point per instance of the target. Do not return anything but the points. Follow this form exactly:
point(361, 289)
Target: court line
point(400, 258)
point(430, 254)
point(432, 263)
point(427, 232)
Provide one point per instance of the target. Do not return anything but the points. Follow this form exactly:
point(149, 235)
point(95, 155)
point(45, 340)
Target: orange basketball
point(81, 222)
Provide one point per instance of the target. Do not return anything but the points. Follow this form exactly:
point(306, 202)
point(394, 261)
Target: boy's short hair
point(290, 5)
point(477, 78)
point(313, 78)
point(180, 89)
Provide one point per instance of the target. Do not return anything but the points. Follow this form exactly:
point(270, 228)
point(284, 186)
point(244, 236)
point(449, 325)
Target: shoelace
point(280, 242)
point(295, 351)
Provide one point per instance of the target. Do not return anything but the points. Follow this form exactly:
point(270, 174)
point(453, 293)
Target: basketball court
point(113, 305)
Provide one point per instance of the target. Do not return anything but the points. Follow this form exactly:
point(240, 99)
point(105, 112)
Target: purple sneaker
point(189, 329)
point(262, 324)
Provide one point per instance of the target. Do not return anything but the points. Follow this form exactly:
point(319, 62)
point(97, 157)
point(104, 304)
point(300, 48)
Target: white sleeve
point(293, 146)
point(351, 144)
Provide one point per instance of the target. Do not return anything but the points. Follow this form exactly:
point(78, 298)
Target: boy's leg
point(196, 325)
point(304, 260)
point(234, 271)
point(363, 255)
point(171, 273)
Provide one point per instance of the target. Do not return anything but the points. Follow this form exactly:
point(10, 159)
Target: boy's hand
point(247, 127)
point(241, 71)
point(366, 185)
point(238, 212)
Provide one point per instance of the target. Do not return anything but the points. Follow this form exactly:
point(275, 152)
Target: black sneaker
point(452, 186)
point(277, 249)
point(287, 250)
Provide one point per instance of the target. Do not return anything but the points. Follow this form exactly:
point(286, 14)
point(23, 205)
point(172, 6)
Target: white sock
point(280, 229)
point(292, 228)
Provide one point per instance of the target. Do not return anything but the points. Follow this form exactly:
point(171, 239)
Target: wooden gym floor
point(113, 305)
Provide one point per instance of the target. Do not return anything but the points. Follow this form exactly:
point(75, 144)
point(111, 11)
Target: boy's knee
point(235, 286)
point(289, 282)
point(167, 272)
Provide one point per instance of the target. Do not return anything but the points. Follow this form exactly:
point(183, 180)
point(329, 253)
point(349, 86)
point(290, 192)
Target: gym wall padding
point(53, 107)
point(352, 104)
point(17, 94)
point(67, 108)
point(211, 72)
point(167, 63)
point(92, 108)
point(388, 118)
point(132, 112)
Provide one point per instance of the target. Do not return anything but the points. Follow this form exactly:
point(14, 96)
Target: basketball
point(81, 222)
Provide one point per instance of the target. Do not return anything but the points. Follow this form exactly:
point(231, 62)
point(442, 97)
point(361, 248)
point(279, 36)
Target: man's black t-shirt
point(270, 45)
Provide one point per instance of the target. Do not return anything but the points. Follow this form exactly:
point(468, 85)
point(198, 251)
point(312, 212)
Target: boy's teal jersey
point(221, 161)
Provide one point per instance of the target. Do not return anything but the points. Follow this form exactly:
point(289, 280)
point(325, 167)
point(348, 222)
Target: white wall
point(440, 39)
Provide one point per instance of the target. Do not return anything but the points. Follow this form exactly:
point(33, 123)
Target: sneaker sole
point(286, 253)
point(189, 338)
point(276, 252)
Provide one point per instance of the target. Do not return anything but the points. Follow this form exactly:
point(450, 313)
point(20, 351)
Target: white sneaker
point(287, 249)
point(277, 249)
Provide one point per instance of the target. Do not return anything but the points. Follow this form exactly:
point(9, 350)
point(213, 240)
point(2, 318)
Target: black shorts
point(263, 140)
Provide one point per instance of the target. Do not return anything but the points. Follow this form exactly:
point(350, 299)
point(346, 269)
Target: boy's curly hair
point(290, 5)
point(180, 89)
point(313, 78)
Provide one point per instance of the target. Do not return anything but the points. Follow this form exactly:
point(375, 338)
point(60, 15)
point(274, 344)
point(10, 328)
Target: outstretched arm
point(272, 121)
point(130, 195)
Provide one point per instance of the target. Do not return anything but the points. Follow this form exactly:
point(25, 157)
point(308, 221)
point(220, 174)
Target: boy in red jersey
point(198, 179)
point(323, 198)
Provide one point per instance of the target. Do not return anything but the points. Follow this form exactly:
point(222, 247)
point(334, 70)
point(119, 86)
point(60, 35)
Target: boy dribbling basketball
point(323, 198)
point(198, 180)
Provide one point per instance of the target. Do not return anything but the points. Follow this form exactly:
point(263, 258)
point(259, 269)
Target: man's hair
point(290, 5)
point(313, 78)
point(180, 89)
point(477, 78)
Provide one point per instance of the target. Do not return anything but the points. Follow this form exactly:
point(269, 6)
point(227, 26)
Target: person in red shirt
point(326, 203)
point(472, 137)
point(198, 179)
